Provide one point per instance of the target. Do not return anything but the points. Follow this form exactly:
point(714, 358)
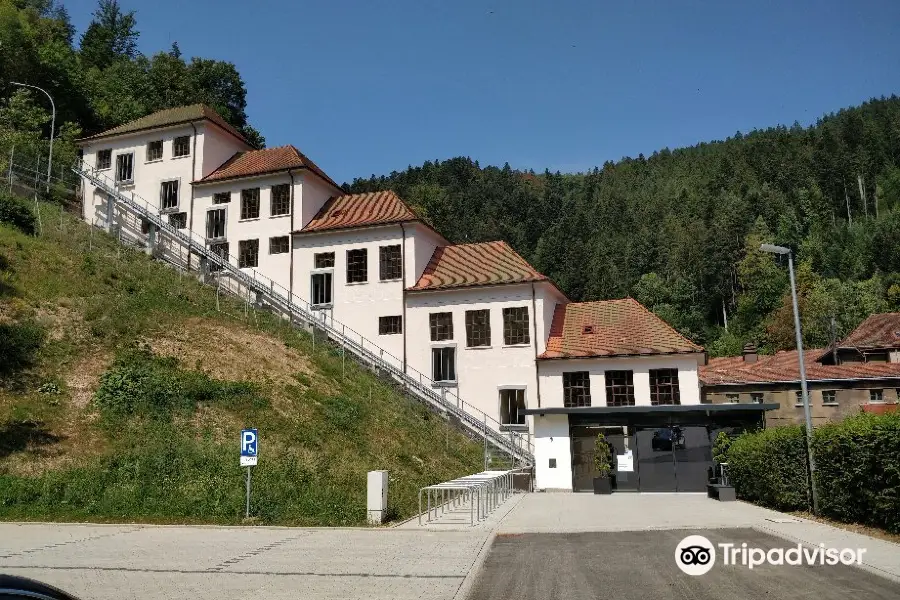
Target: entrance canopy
point(679, 409)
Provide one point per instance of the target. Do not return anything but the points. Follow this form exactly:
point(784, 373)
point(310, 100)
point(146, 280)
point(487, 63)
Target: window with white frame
point(732, 398)
point(515, 326)
point(104, 159)
point(443, 364)
point(248, 254)
point(829, 396)
point(512, 408)
point(390, 262)
point(876, 396)
point(798, 398)
point(125, 168)
point(324, 260)
point(154, 150)
point(279, 245)
point(250, 203)
point(221, 197)
point(321, 288)
point(181, 146)
point(576, 389)
point(220, 250)
point(757, 397)
point(280, 200)
point(664, 387)
point(441, 325)
point(178, 220)
point(168, 195)
point(619, 388)
point(215, 224)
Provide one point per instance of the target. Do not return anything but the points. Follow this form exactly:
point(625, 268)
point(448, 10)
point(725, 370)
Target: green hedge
point(857, 469)
point(16, 212)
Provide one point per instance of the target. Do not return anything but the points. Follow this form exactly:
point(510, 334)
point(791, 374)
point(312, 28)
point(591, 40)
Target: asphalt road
point(640, 565)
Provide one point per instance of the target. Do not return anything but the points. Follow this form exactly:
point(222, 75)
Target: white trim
point(177, 207)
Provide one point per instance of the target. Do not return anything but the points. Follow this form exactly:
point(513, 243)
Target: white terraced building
point(475, 321)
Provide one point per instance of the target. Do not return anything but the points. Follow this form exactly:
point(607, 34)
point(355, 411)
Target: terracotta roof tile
point(465, 265)
point(612, 328)
point(784, 367)
point(168, 117)
point(878, 331)
point(360, 210)
point(261, 162)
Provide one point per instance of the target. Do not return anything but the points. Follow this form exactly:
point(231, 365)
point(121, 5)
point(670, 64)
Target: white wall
point(315, 194)
point(424, 242)
point(550, 373)
point(273, 266)
point(217, 147)
point(356, 305)
point(551, 440)
point(481, 371)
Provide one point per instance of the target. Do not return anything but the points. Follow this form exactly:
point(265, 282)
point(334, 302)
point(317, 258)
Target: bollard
point(377, 497)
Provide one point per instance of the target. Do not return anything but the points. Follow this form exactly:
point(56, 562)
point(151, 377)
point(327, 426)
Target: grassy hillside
point(122, 391)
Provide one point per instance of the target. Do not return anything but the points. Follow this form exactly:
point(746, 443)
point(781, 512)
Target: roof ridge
point(663, 321)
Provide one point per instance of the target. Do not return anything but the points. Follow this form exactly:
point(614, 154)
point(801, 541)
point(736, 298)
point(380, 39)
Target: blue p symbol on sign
point(248, 442)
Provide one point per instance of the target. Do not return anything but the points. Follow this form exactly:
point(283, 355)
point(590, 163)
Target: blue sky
point(372, 86)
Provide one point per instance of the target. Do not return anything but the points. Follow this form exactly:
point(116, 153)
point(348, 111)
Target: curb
point(469, 581)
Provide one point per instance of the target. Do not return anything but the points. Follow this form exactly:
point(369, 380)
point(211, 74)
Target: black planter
point(602, 485)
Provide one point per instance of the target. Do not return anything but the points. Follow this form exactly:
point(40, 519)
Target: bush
point(139, 383)
point(858, 470)
point(769, 467)
point(16, 212)
point(19, 344)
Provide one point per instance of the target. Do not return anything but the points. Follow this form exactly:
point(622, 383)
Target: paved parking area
point(641, 565)
point(100, 562)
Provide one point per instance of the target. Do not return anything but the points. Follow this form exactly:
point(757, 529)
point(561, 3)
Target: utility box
point(377, 497)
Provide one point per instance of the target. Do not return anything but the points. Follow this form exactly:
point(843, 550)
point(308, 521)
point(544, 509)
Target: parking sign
point(249, 447)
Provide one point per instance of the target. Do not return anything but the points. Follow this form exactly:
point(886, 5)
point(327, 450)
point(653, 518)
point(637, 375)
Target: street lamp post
point(804, 390)
point(52, 125)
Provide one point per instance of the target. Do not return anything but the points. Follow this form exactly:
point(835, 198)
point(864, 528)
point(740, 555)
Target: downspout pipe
point(537, 375)
point(194, 178)
point(403, 317)
point(291, 247)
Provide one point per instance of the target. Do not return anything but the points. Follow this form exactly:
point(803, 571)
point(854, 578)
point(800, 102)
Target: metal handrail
point(482, 424)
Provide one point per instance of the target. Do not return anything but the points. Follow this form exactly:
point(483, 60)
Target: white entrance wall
point(551, 443)
point(482, 371)
point(551, 379)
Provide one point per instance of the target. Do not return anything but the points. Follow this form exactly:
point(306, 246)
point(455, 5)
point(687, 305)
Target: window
point(154, 151)
point(250, 204)
point(279, 245)
point(221, 197)
point(324, 260)
point(443, 364)
point(181, 146)
point(441, 326)
point(104, 159)
point(145, 226)
point(357, 266)
point(876, 396)
point(799, 398)
point(732, 398)
point(829, 397)
point(756, 397)
point(515, 326)
point(248, 253)
point(576, 389)
point(512, 405)
point(215, 224)
point(390, 325)
point(168, 195)
point(281, 200)
point(478, 328)
point(619, 388)
point(221, 250)
point(664, 387)
point(125, 168)
point(178, 220)
point(321, 289)
point(390, 262)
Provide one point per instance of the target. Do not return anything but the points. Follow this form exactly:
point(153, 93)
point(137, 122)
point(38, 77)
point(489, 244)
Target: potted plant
point(602, 465)
point(720, 456)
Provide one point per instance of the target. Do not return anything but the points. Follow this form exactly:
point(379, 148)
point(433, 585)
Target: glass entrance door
point(673, 459)
point(693, 456)
point(655, 460)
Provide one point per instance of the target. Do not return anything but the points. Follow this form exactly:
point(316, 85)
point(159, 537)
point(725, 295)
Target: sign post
point(249, 457)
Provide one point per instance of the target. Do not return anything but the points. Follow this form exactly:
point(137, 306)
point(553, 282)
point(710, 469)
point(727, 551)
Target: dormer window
point(587, 329)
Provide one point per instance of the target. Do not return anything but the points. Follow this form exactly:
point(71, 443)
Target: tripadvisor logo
point(696, 555)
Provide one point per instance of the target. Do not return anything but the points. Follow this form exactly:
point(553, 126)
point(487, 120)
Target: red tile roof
point(612, 328)
point(784, 367)
point(169, 117)
point(878, 331)
point(262, 162)
point(360, 210)
point(466, 265)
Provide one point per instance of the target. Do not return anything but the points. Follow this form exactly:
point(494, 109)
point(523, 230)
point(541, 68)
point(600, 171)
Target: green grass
point(158, 441)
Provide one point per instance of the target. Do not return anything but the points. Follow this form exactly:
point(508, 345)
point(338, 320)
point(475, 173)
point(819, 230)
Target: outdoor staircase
point(248, 283)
